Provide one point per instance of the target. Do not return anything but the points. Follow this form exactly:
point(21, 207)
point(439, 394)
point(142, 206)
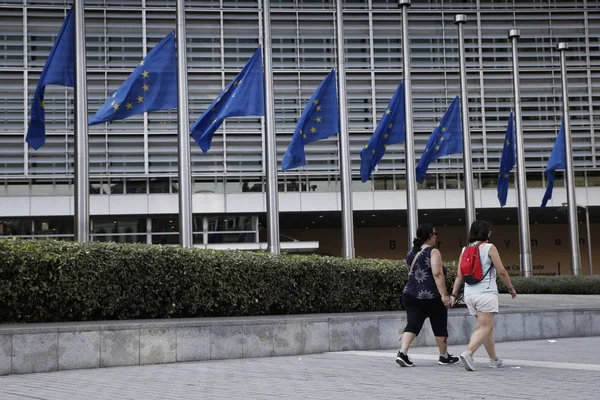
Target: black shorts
point(418, 310)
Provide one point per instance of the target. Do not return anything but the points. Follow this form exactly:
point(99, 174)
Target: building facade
point(133, 163)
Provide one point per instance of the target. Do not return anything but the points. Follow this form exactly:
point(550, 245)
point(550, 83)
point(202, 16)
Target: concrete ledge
point(62, 346)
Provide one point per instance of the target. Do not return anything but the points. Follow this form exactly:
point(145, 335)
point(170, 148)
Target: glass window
point(231, 223)
point(233, 185)
point(535, 179)
point(360, 186)
point(16, 227)
point(383, 182)
point(135, 186)
point(116, 186)
point(580, 178)
point(451, 181)
point(165, 224)
point(593, 178)
point(99, 186)
point(17, 188)
point(249, 237)
point(430, 182)
point(252, 185)
point(165, 238)
point(63, 188)
point(42, 188)
point(54, 226)
point(119, 225)
point(159, 185)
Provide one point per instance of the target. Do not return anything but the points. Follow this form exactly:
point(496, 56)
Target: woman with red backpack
point(480, 265)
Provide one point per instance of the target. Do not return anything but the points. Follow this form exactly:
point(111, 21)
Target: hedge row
point(47, 280)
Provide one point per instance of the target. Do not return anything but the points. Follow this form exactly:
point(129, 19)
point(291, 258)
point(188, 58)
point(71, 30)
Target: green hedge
point(554, 285)
point(47, 280)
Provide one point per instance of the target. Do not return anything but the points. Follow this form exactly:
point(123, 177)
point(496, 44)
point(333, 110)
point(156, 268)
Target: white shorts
point(482, 302)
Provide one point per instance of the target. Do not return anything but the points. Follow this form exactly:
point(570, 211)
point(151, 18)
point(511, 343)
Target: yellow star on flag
point(507, 143)
point(112, 103)
point(116, 107)
point(145, 74)
point(388, 111)
point(366, 146)
point(318, 119)
point(141, 62)
point(385, 145)
point(318, 108)
point(506, 176)
point(42, 104)
point(390, 126)
point(304, 136)
point(114, 94)
point(140, 99)
point(146, 88)
point(316, 102)
point(313, 130)
point(437, 148)
point(442, 139)
point(373, 151)
point(386, 136)
point(444, 129)
point(129, 106)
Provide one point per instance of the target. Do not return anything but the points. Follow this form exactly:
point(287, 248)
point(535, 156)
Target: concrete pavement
point(538, 369)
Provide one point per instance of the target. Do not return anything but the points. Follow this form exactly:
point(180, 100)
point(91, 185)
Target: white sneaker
point(497, 363)
point(467, 361)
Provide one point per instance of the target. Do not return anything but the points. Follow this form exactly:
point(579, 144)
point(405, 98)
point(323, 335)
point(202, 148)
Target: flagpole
point(460, 20)
point(409, 144)
point(569, 175)
point(82, 185)
point(183, 134)
point(344, 141)
point(271, 142)
point(525, 242)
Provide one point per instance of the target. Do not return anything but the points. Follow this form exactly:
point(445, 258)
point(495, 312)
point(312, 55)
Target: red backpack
point(470, 265)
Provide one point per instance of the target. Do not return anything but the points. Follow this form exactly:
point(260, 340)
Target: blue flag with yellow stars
point(242, 97)
point(152, 86)
point(390, 130)
point(445, 139)
point(508, 161)
point(319, 120)
point(59, 70)
point(558, 160)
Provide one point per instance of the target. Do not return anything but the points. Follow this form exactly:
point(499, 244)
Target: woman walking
point(482, 298)
point(425, 296)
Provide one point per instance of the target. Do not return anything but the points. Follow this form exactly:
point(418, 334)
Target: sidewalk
point(539, 369)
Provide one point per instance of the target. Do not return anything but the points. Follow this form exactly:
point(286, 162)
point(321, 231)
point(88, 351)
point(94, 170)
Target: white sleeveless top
point(488, 284)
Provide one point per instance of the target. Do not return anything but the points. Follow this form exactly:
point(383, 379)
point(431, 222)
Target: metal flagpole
point(524, 236)
point(589, 237)
point(271, 142)
point(569, 175)
point(344, 141)
point(82, 184)
point(460, 20)
point(183, 134)
point(409, 144)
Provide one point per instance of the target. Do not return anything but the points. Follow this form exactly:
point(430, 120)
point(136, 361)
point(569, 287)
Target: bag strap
point(412, 264)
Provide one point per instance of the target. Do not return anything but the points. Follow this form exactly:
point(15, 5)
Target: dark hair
point(480, 231)
point(424, 232)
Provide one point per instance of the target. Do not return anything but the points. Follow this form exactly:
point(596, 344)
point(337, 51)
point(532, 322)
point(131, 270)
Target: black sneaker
point(403, 360)
point(448, 360)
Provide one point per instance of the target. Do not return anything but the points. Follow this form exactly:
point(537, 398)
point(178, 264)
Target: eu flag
point(507, 163)
point(319, 120)
point(152, 86)
point(390, 130)
point(244, 96)
point(558, 160)
point(445, 139)
point(59, 70)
